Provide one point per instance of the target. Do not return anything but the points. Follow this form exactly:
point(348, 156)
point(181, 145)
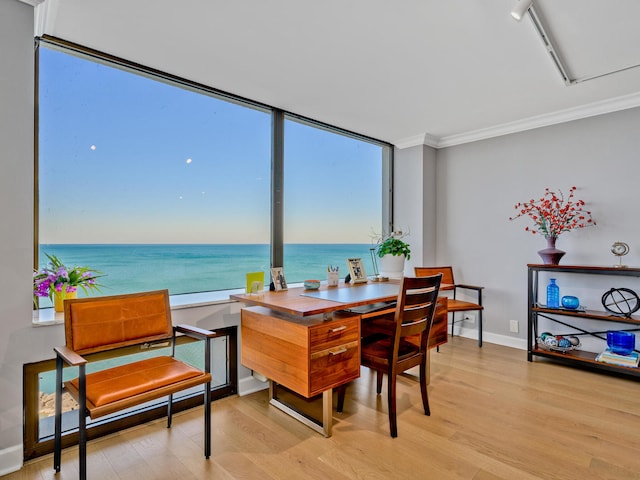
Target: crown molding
point(431, 140)
point(422, 139)
point(410, 141)
point(562, 116)
point(33, 3)
point(40, 19)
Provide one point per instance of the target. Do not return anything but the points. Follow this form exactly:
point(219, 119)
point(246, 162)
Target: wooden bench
point(106, 323)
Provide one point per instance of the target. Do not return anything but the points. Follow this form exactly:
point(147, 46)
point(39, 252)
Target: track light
point(521, 8)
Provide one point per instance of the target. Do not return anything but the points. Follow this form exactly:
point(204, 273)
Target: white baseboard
point(504, 340)
point(11, 459)
point(251, 384)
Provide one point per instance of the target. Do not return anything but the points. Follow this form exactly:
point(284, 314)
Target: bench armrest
point(69, 356)
point(477, 289)
point(470, 287)
point(195, 332)
point(199, 334)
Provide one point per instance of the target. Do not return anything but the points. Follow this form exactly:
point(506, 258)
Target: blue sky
point(126, 159)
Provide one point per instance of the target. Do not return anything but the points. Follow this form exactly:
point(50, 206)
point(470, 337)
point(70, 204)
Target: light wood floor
point(493, 416)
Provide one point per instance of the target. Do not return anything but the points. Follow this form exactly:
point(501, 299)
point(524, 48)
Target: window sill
point(46, 316)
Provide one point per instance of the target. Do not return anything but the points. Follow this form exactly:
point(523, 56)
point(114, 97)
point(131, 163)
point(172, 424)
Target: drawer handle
point(338, 352)
point(338, 329)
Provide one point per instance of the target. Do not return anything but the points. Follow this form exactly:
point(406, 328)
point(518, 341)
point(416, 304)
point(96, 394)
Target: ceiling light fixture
point(526, 6)
point(520, 9)
point(523, 7)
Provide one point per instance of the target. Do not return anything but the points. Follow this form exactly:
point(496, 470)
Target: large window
point(333, 200)
point(161, 183)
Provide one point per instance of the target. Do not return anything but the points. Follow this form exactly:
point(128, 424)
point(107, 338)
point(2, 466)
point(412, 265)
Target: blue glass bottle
point(553, 294)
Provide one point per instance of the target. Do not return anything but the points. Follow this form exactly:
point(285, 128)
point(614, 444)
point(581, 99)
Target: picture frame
point(277, 277)
point(255, 283)
point(356, 270)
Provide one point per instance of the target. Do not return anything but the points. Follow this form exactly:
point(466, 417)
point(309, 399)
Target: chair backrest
point(103, 323)
point(447, 275)
point(416, 307)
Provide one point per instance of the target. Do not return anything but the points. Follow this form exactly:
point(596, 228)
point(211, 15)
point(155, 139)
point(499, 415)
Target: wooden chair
point(105, 323)
point(396, 342)
point(453, 304)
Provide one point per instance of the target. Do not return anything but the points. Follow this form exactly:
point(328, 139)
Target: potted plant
point(393, 252)
point(57, 281)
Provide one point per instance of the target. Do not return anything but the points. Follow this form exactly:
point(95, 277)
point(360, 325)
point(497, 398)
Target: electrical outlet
point(513, 326)
point(469, 318)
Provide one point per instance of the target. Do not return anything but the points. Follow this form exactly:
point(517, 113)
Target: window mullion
point(277, 187)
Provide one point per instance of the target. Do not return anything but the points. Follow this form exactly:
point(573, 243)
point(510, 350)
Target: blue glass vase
point(570, 302)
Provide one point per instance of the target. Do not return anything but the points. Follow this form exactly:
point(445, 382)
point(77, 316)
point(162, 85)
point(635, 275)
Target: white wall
point(16, 216)
point(415, 202)
point(479, 184)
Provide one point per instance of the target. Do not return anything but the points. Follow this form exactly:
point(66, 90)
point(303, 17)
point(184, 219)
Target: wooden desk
point(301, 302)
point(310, 344)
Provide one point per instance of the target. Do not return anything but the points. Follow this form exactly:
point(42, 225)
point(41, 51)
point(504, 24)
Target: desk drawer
point(334, 366)
point(332, 334)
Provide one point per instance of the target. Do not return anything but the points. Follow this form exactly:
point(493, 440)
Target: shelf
point(576, 358)
point(592, 269)
point(591, 314)
point(582, 357)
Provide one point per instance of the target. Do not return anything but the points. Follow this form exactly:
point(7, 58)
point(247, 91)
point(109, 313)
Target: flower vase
point(58, 300)
point(551, 255)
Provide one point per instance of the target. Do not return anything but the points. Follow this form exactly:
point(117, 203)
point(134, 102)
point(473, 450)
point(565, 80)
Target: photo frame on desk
point(356, 270)
point(277, 277)
point(255, 282)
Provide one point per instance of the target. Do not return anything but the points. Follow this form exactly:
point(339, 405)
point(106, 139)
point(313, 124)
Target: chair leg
point(424, 369)
point(391, 398)
point(480, 328)
point(82, 422)
point(379, 376)
point(207, 420)
point(82, 444)
point(57, 444)
point(169, 411)
point(453, 321)
point(207, 400)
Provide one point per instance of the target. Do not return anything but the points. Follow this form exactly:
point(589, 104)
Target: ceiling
point(438, 72)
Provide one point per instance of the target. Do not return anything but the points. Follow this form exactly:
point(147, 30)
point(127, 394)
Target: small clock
point(620, 249)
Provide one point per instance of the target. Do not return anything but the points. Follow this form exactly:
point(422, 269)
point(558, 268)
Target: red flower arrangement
point(553, 215)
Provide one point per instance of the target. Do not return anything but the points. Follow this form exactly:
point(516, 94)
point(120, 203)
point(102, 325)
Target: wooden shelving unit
point(575, 319)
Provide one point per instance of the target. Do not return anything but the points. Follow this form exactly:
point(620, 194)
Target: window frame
point(278, 118)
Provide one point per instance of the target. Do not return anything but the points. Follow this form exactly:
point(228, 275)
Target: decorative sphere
point(621, 301)
point(544, 335)
point(551, 341)
point(564, 343)
point(575, 341)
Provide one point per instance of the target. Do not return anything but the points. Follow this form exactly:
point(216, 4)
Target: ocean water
point(129, 268)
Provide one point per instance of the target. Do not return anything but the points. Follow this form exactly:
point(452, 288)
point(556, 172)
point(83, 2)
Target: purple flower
point(58, 278)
